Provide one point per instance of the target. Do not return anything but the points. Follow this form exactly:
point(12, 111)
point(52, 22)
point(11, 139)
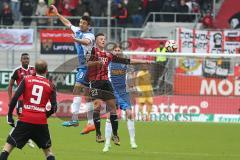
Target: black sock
point(114, 122)
point(51, 157)
point(4, 155)
point(97, 122)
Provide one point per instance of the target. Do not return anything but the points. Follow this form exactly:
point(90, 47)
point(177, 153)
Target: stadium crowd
point(127, 13)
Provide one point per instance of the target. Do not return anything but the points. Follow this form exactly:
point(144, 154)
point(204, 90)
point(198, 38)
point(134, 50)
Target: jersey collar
point(24, 68)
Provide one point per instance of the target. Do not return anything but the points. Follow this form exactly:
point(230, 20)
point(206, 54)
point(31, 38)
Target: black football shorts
point(22, 132)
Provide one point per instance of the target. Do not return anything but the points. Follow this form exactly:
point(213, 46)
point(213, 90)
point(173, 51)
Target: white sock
point(108, 132)
point(90, 109)
point(75, 107)
point(131, 130)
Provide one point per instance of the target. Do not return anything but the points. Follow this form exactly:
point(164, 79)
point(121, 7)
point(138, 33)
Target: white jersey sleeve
point(89, 36)
point(74, 29)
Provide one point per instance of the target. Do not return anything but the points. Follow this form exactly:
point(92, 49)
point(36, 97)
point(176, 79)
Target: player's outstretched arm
point(139, 61)
point(64, 20)
point(83, 41)
point(117, 59)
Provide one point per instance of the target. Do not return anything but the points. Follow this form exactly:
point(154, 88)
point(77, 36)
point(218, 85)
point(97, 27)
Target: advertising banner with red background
point(165, 104)
point(57, 42)
point(197, 104)
point(143, 44)
point(198, 85)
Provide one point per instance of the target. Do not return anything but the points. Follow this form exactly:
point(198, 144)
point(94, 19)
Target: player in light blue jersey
point(118, 81)
point(84, 40)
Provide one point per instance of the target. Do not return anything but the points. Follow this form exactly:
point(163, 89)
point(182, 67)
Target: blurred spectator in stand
point(135, 13)
point(66, 7)
point(234, 21)
point(169, 6)
point(114, 9)
point(205, 5)
point(160, 5)
point(96, 7)
point(26, 8)
point(52, 20)
point(117, 1)
point(1, 7)
point(195, 9)
point(15, 6)
point(183, 8)
point(42, 10)
point(121, 15)
point(152, 6)
point(189, 4)
point(104, 5)
point(80, 9)
point(6, 15)
point(207, 20)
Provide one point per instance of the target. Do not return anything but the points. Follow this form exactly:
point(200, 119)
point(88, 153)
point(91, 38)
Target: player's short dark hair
point(24, 54)
point(41, 66)
point(99, 34)
point(86, 18)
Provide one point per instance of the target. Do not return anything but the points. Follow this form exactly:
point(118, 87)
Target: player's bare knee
point(8, 148)
point(112, 104)
point(78, 89)
point(97, 104)
point(129, 117)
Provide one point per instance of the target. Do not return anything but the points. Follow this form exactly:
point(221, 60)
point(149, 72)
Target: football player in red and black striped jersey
point(101, 86)
point(17, 76)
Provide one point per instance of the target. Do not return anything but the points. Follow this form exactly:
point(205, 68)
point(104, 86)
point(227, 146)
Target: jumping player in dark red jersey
point(17, 76)
point(32, 124)
point(101, 86)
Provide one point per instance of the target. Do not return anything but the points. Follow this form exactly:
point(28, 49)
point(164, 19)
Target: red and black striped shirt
point(100, 72)
point(19, 73)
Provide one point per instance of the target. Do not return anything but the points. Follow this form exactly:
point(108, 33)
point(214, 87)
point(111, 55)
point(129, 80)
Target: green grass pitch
point(156, 141)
